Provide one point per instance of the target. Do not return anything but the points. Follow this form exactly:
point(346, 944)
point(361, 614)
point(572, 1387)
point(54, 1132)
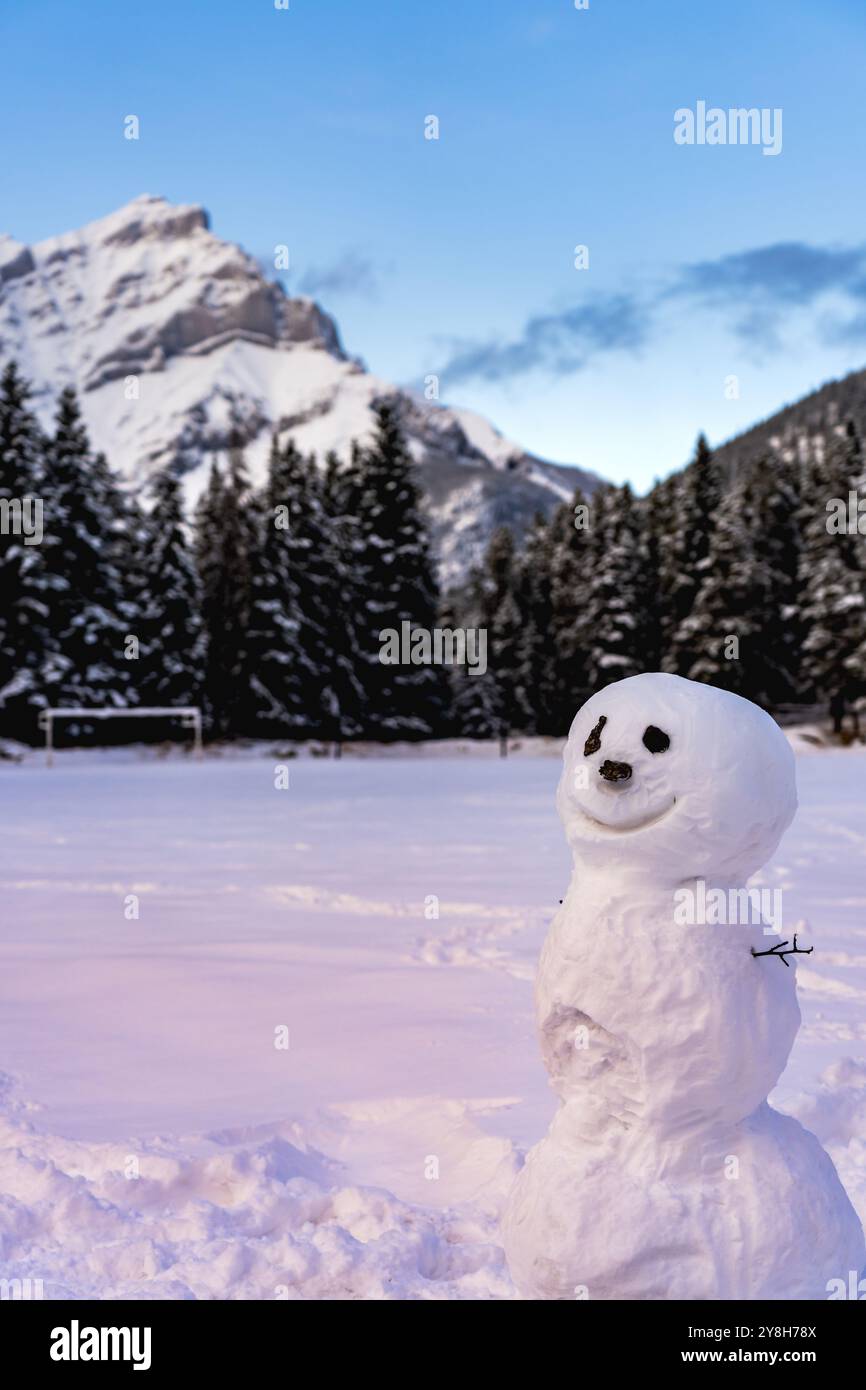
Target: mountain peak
point(133, 290)
point(149, 217)
point(178, 341)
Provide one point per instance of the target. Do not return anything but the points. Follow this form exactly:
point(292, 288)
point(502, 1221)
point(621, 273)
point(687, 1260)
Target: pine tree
point(537, 652)
point(477, 706)
point(617, 589)
point(500, 616)
point(124, 551)
point(341, 489)
point(698, 497)
point(272, 638)
point(84, 664)
point(660, 508)
point(509, 672)
point(723, 641)
point(570, 562)
point(172, 627)
point(322, 564)
point(23, 614)
point(834, 608)
point(226, 544)
point(294, 592)
point(776, 542)
point(395, 578)
point(208, 559)
point(130, 550)
point(451, 617)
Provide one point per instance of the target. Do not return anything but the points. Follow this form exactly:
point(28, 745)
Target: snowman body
point(665, 1173)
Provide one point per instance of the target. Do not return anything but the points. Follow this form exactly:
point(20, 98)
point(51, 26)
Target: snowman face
point(665, 772)
point(624, 782)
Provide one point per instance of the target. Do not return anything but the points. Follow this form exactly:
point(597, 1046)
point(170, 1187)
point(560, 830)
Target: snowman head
point(677, 778)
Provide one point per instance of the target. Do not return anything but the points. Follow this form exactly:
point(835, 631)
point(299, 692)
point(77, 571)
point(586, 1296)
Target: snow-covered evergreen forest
point(265, 608)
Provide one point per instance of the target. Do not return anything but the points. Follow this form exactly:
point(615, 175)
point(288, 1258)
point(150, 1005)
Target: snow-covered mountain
point(175, 339)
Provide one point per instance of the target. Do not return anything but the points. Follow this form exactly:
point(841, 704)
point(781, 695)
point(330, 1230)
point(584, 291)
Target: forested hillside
point(267, 607)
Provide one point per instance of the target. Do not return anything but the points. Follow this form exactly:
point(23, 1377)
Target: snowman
point(665, 1173)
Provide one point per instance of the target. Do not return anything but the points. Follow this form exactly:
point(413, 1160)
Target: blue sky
point(455, 256)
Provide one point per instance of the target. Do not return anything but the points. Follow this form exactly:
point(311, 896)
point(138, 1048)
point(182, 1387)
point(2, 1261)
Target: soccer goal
point(189, 715)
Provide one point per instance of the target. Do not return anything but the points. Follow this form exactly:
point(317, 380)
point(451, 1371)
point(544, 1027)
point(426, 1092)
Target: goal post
point(189, 715)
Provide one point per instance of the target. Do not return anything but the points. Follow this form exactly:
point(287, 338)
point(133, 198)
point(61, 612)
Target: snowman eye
point(593, 743)
point(656, 740)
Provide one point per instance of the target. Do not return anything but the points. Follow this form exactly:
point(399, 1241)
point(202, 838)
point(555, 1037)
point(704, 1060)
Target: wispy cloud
point(787, 273)
point(556, 343)
point(353, 273)
point(756, 289)
point(762, 286)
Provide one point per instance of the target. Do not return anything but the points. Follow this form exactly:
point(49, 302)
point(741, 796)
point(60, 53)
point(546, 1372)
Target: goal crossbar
point(189, 715)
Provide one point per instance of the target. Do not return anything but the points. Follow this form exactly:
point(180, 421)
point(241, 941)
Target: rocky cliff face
point(176, 339)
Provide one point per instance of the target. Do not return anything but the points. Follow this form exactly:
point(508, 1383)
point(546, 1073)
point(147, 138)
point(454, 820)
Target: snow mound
point(254, 1214)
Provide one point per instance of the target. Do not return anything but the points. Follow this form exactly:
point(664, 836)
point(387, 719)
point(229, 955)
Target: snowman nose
point(615, 772)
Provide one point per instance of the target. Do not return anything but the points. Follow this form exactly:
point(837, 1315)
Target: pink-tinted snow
point(157, 1142)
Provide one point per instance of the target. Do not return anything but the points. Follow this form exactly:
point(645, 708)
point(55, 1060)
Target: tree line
point(266, 606)
point(754, 582)
point(265, 610)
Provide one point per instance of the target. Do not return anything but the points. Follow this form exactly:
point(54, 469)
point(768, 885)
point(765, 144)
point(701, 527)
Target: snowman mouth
point(632, 828)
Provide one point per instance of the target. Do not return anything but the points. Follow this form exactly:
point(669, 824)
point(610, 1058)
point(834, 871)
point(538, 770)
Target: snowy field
point(157, 1143)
